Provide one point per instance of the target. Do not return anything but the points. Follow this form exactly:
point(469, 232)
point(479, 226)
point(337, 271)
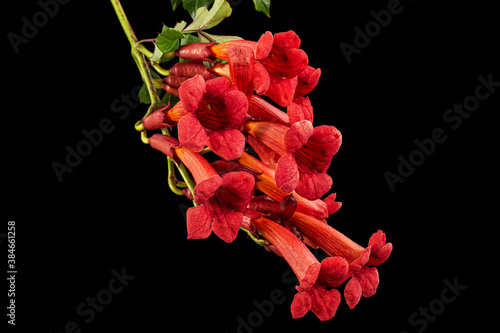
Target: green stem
point(172, 181)
point(187, 179)
point(138, 56)
point(159, 69)
point(261, 242)
point(138, 52)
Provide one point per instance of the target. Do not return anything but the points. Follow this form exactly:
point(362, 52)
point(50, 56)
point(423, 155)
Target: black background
point(114, 210)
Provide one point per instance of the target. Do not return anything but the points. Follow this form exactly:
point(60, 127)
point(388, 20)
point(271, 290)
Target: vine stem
point(138, 52)
point(139, 57)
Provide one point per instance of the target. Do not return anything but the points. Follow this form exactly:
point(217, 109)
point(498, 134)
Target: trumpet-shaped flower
point(209, 114)
point(305, 154)
point(279, 60)
point(314, 277)
point(364, 279)
point(221, 200)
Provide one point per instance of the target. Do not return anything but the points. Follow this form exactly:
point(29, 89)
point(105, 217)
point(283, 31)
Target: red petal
point(284, 41)
point(377, 240)
point(227, 224)
point(281, 90)
point(287, 173)
point(296, 62)
point(236, 108)
point(333, 206)
point(308, 79)
point(381, 256)
point(326, 141)
point(286, 64)
point(227, 144)
point(324, 302)
point(164, 143)
point(191, 93)
point(334, 271)
point(300, 109)
point(310, 277)
point(313, 185)
point(380, 250)
point(352, 292)
point(199, 222)
point(264, 46)
point(206, 189)
point(368, 279)
point(301, 304)
point(156, 119)
point(261, 79)
point(298, 135)
point(359, 263)
point(218, 87)
point(192, 135)
point(238, 188)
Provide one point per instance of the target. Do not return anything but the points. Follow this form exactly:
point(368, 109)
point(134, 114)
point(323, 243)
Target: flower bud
point(195, 51)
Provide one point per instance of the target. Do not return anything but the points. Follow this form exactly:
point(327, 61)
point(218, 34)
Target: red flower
point(301, 108)
point(267, 184)
point(284, 63)
point(364, 279)
point(305, 154)
point(308, 80)
point(278, 63)
point(314, 277)
point(221, 200)
point(157, 119)
point(210, 113)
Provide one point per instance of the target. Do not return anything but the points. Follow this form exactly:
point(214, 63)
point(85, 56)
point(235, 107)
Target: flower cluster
point(278, 197)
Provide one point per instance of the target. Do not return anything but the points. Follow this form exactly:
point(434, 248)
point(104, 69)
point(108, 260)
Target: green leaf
point(189, 39)
point(175, 4)
point(263, 6)
point(206, 19)
point(168, 40)
point(221, 9)
point(180, 25)
point(192, 6)
point(171, 34)
point(219, 38)
point(157, 54)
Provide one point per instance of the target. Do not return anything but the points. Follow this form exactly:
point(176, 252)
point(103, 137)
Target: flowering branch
point(210, 100)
